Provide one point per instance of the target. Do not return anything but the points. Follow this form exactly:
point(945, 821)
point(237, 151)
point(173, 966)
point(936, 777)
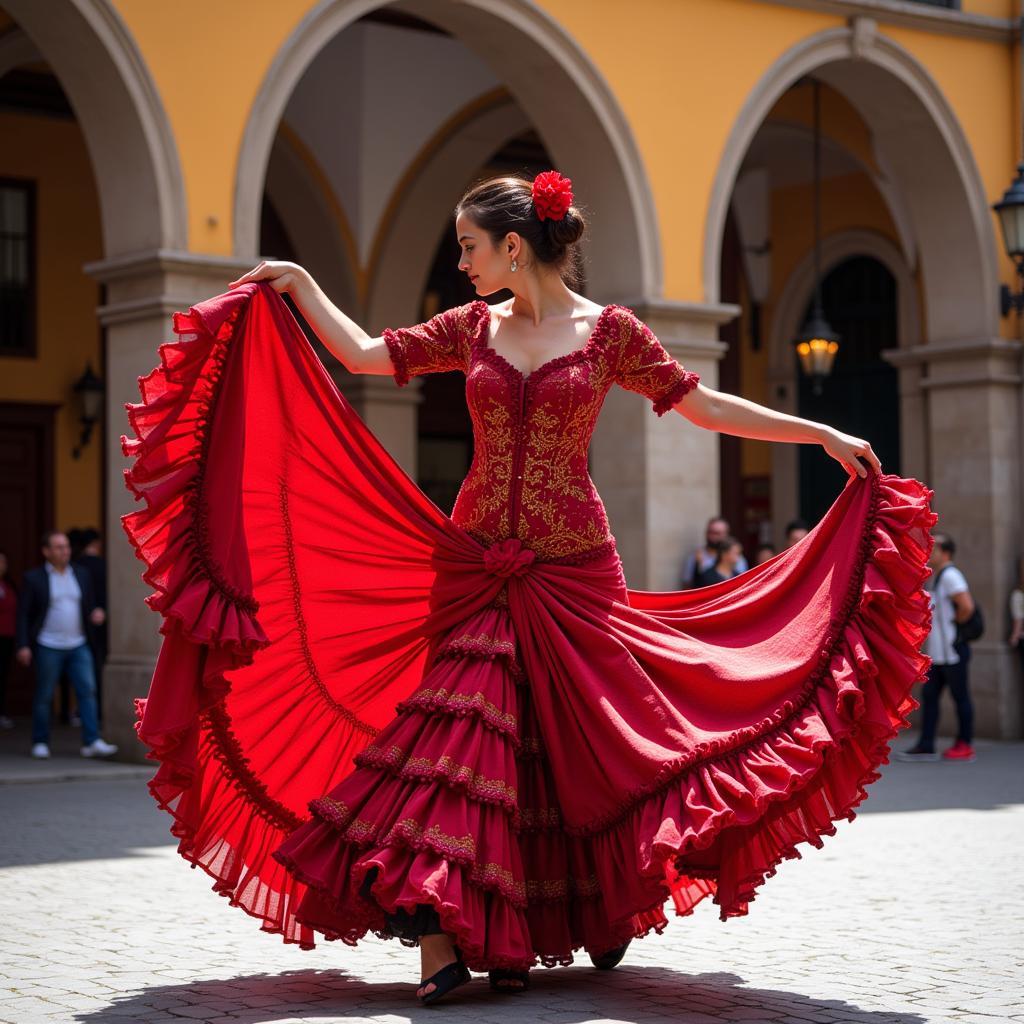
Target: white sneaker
point(40, 750)
point(99, 748)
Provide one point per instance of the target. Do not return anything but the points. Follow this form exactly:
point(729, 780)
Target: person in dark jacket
point(90, 557)
point(56, 611)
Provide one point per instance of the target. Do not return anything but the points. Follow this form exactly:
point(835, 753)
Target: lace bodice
point(529, 477)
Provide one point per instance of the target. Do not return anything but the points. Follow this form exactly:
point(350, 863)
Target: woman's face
point(486, 265)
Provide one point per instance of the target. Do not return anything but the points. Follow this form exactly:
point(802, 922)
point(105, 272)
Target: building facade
point(152, 152)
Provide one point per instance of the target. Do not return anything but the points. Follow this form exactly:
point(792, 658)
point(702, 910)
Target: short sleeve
point(643, 365)
point(953, 581)
point(436, 346)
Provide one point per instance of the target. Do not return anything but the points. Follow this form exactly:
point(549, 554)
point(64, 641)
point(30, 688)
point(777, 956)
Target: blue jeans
point(50, 665)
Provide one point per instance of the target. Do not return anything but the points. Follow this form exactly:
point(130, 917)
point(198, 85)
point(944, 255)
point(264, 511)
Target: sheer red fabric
point(350, 680)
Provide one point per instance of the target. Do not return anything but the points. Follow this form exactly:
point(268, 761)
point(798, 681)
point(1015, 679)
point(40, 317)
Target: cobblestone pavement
point(914, 913)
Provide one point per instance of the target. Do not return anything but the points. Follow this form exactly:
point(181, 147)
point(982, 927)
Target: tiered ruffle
point(497, 859)
point(453, 807)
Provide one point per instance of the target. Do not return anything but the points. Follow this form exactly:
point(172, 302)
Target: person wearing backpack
point(956, 620)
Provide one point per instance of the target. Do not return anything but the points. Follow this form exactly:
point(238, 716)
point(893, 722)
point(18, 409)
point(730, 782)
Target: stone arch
point(799, 286)
point(586, 133)
point(786, 322)
point(891, 89)
point(409, 236)
point(301, 193)
point(130, 142)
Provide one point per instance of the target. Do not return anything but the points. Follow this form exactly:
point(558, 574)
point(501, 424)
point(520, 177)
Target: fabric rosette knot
point(508, 558)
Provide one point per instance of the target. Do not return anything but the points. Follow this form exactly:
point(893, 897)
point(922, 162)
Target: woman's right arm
point(346, 340)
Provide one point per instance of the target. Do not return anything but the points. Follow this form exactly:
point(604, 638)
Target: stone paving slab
point(913, 914)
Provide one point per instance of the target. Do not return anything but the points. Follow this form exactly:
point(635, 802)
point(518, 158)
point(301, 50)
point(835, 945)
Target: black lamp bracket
point(1010, 299)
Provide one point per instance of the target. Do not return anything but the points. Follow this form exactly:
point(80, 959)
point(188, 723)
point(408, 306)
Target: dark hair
point(945, 543)
point(48, 535)
point(504, 204)
point(796, 524)
point(724, 545)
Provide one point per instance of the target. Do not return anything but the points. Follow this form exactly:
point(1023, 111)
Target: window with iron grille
point(17, 267)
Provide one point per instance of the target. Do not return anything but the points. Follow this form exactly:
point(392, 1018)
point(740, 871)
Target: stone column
point(143, 290)
point(659, 476)
point(971, 412)
point(389, 411)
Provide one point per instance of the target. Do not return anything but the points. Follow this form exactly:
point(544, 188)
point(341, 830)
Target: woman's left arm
point(730, 414)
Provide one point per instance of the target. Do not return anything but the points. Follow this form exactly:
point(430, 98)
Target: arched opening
point(892, 153)
point(861, 395)
point(586, 133)
point(91, 176)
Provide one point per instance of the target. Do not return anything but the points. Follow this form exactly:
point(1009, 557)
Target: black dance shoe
point(447, 978)
point(508, 974)
point(606, 961)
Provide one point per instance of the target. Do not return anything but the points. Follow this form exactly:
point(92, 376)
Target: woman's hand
point(281, 275)
point(845, 448)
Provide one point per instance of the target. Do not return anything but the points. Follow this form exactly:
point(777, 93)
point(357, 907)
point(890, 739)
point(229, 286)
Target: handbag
point(970, 629)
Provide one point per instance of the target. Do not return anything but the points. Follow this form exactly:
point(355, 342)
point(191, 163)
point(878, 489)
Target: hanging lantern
point(817, 344)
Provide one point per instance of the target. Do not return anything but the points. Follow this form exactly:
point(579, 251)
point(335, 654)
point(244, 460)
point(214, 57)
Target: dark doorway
point(26, 506)
point(861, 395)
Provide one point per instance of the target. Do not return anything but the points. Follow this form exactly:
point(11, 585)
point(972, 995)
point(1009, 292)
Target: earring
point(514, 266)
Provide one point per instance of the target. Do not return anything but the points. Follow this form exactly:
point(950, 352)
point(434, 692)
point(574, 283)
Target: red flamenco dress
point(364, 709)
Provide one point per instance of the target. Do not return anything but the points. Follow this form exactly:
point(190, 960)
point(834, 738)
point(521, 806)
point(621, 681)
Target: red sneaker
point(960, 751)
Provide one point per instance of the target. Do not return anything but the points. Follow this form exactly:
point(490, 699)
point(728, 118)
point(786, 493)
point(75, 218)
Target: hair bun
point(568, 230)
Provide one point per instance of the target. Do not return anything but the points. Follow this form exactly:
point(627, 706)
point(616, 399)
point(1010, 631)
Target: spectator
point(56, 612)
point(705, 557)
point(8, 617)
point(764, 552)
point(1017, 614)
point(729, 552)
point(90, 557)
point(796, 530)
point(951, 602)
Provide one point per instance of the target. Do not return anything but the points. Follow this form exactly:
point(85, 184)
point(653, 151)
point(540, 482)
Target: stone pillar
point(143, 290)
point(658, 476)
point(389, 411)
point(971, 412)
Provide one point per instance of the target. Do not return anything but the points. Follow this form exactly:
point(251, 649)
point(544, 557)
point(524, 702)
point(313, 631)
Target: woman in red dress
point(466, 732)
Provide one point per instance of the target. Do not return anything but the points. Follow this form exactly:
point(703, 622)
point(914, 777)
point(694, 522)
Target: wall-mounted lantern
point(89, 397)
point(1011, 219)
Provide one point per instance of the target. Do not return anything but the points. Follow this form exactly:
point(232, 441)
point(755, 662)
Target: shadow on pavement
point(994, 780)
point(628, 993)
point(57, 822)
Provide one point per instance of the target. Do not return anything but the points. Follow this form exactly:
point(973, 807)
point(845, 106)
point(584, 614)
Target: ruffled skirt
point(364, 715)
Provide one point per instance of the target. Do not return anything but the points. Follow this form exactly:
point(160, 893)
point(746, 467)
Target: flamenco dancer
point(467, 732)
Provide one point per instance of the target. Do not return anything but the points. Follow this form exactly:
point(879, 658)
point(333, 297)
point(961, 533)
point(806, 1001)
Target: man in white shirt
point(55, 613)
point(951, 602)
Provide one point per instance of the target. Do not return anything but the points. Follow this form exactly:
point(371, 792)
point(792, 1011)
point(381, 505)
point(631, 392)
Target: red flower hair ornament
point(552, 195)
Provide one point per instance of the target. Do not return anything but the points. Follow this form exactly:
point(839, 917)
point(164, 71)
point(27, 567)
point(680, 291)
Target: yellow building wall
point(681, 88)
point(52, 153)
point(992, 8)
